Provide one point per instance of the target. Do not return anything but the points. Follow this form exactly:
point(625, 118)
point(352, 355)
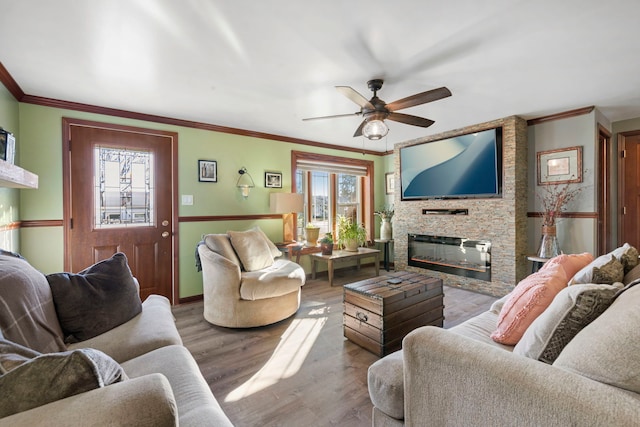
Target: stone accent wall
point(503, 221)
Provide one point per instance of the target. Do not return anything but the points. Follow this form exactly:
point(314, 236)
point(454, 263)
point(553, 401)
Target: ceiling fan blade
point(419, 98)
point(410, 120)
point(353, 95)
point(333, 117)
point(359, 130)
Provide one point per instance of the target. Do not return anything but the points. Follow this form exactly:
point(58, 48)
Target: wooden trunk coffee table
point(342, 256)
point(379, 314)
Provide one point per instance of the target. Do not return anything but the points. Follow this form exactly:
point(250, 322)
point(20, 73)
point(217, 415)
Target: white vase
point(385, 230)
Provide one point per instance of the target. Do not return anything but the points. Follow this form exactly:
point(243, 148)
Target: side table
point(386, 244)
point(342, 256)
point(536, 262)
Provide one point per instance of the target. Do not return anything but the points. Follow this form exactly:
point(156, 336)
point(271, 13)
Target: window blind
point(331, 167)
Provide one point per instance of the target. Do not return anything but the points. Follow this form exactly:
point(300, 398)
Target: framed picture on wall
point(273, 180)
point(388, 182)
point(560, 166)
point(207, 171)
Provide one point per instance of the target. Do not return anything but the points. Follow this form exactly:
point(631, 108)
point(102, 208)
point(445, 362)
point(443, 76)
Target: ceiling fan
point(375, 110)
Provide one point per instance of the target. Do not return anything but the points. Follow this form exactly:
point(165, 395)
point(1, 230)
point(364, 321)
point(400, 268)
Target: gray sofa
point(461, 376)
point(161, 385)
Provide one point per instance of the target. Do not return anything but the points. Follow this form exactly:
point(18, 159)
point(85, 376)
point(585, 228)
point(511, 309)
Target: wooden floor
point(301, 371)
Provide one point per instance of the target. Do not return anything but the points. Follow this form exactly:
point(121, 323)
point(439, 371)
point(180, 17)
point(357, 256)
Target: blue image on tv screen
point(463, 166)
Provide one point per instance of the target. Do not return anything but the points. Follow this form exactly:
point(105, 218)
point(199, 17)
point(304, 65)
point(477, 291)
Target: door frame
point(605, 235)
point(67, 123)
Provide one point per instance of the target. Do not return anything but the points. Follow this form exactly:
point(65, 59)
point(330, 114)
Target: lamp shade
point(286, 202)
point(375, 129)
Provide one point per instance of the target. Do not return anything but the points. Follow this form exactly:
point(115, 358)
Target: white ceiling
point(265, 65)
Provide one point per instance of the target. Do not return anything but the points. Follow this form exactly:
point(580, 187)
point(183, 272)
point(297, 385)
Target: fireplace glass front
point(452, 255)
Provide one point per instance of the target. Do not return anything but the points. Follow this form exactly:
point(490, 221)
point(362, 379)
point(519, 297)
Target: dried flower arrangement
point(554, 200)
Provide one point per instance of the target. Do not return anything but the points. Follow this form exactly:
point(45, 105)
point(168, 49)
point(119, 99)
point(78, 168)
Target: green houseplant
point(326, 244)
point(350, 233)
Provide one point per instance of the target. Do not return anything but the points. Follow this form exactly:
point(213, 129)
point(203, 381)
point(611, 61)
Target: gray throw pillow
point(28, 315)
point(96, 299)
point(49, 377)
point(609, 273)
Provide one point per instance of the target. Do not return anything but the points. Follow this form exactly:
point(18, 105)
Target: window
point(123, 187)
point(333, 186)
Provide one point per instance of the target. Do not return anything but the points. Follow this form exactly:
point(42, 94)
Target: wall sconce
point(287, 204)
point(245, 182)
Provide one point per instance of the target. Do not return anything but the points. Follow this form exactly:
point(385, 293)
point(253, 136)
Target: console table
point(342, 256)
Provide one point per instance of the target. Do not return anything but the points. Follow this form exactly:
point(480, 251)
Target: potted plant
point(350, 234)
point(326, 244)
point(312, 232)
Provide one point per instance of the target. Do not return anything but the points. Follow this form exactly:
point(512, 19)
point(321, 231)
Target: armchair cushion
point(220, 244)
point(281, 278)
point(95, 300)
point(32, 382)
point(252, 249)
point(27, 312)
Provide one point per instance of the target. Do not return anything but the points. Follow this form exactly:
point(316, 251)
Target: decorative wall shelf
point(13, 176)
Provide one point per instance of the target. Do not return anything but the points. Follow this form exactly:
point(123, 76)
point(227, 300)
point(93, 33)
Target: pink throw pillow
point(527, 301)
point(572, 263)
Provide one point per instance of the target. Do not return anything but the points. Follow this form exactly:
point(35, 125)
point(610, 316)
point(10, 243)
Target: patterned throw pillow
point(627, 255)
point(571, 310)
point(609, 273)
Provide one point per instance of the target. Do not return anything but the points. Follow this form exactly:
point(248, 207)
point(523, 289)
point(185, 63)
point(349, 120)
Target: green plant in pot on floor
point(350, 234)
point(326, 244)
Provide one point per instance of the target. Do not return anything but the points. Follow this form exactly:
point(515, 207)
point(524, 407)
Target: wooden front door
point(119, 198)
point(629, 222)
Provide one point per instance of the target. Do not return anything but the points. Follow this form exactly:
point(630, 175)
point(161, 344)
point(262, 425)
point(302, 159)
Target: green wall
point(41, 145)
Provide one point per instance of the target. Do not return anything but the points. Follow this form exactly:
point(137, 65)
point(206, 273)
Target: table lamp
point(287, 204)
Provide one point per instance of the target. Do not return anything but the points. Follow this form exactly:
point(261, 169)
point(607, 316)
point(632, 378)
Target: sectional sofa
point(562, 349)
point(68, 364)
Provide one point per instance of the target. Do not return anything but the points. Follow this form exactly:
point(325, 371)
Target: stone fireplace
point(500, 223)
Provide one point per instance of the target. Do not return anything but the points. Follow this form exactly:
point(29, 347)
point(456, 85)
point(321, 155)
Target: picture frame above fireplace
point(560, 166)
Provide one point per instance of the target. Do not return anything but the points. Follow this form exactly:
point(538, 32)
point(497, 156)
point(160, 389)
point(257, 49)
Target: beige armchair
point(243, 285)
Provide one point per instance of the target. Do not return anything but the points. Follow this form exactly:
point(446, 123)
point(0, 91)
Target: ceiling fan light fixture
point(375, 129)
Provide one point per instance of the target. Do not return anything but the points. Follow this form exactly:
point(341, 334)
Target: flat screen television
point(463, 166)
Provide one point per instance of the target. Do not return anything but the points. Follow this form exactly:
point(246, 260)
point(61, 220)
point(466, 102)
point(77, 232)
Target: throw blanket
point(198, 262)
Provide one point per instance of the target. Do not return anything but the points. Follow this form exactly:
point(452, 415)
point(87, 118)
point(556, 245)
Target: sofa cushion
point(385, 379)
point(570, 311)
point(480, 328)
point(49, 377)
point(275, 252)
point(281, 278)
point(220, 244)
point(196, 404)
point(95, 300)
point(27, 313)
point(252, 249)
point(607, 349)
point(530, 298)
